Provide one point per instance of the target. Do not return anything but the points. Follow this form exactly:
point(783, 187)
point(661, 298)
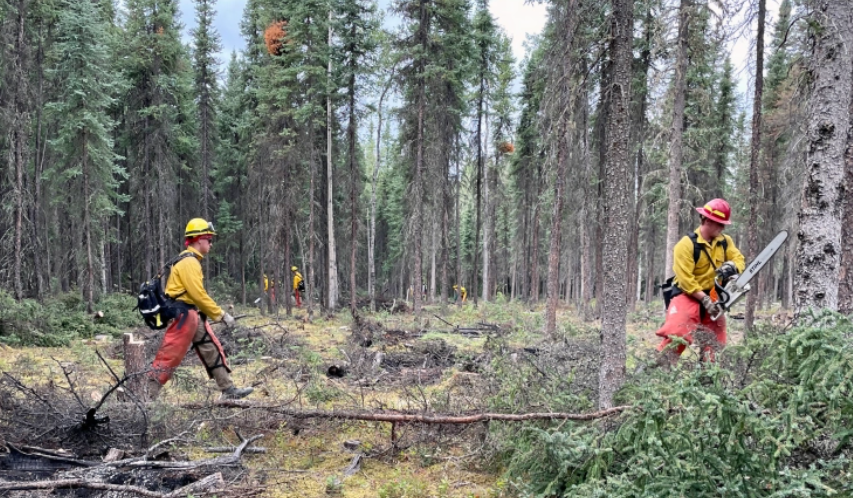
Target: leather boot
point(236, 393)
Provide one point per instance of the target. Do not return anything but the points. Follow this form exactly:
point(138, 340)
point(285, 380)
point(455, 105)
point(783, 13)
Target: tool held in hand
point(731, 290)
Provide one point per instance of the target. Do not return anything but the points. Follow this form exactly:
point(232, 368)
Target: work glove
point(711, 307)
point(228, 320)
point(727, 271)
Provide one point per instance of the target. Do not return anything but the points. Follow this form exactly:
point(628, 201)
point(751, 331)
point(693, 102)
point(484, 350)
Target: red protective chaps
point(191, 329)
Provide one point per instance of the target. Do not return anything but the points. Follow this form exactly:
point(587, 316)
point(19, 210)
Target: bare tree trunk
point(354, 176)
point(309, 275)
point(557, 221)
point(845, 280)
point(650, 244)
point(478, 189)
point(754, 163)
point(639, 128)
point(486, 204)
point(417, 184)
point(89, 289)
point(433, 265)
point(445, 234)
point(333, 259)
point(371, 238)
point(459, 281)
point(534, 242)
point(819, 253)
point(613, 339)
point(676, 137)
point(19, 140)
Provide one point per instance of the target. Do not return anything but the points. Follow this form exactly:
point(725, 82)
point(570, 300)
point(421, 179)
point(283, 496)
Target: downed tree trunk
point(412, 417)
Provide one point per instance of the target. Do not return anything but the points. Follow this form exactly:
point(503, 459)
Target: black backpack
point(153, 304)
point(670, 289)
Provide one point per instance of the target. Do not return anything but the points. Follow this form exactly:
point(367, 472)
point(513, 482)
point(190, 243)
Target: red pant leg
point(175, 345)
point(682, 318)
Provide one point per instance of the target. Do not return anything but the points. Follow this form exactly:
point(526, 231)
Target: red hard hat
point(717, 210)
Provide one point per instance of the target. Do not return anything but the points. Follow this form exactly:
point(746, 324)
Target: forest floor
point(382, 362)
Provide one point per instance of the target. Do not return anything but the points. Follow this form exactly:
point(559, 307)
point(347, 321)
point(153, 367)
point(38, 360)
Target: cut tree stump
point(134, 366)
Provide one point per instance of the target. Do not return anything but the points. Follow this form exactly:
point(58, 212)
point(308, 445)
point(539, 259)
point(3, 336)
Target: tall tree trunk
point(459, 280)
point(534, 239)
point(639, 125)
point(371, 239)
point(679, 88)
point(89, 288)
point(354, 176)
point(845, 280)
point(613, 340)
point(819, 252)
point(486, 220)
point(332, 267)
point(557, 218)
point(309, 275)
point(754, 162)
point(433, 264)
point(445, 233)
point(478, 188)
point(42, 268)
point(417, 183)
point(564, 94)
point(19, 139)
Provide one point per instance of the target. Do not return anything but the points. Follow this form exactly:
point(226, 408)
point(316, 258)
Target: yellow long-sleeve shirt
point(692, 277)
point(187, 282)
point(297, 277)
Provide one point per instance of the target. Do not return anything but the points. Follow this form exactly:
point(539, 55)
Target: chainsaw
point(729, 293)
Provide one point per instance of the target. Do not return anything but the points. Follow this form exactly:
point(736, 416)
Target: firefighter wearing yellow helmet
point(191, 328)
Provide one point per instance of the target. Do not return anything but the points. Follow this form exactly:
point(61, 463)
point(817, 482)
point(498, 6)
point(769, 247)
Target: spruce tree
point(206, 44)
point(356, 26)
point(158, 128)
point(84, 141)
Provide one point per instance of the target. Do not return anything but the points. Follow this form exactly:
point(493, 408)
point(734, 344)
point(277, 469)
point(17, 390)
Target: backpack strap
point(167, 269)
point(698, 248)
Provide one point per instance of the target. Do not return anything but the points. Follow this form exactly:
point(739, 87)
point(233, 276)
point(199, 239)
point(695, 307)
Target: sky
point(517, 19)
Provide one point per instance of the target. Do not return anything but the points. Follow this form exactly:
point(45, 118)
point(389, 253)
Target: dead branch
point(209, 482)
point(253, 450)
point(412, 417)
point(226, 461)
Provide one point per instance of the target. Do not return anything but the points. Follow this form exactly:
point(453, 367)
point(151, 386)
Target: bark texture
point(615, 251)
point(754, 159)
point(676, 150)
point(820, 217)
point(845, 275)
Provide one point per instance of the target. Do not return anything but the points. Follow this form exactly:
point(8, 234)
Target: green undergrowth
point(60, 319)
point(772, 418)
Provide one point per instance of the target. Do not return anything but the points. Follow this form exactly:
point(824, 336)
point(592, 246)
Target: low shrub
point(771, 419)
point(62, 318)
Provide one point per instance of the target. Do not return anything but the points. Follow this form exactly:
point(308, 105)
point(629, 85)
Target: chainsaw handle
point(723, 298)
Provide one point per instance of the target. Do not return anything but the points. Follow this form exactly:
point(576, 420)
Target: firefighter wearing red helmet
point(698, 258)
point(185, 288)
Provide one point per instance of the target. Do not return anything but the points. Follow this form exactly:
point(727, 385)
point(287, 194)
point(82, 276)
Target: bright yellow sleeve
point(187, 276)
point(684, 266)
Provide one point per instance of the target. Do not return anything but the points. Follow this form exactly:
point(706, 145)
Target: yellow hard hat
point(198, 226)
point(293, 268)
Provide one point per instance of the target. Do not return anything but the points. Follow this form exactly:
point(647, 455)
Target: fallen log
point(411, 417)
